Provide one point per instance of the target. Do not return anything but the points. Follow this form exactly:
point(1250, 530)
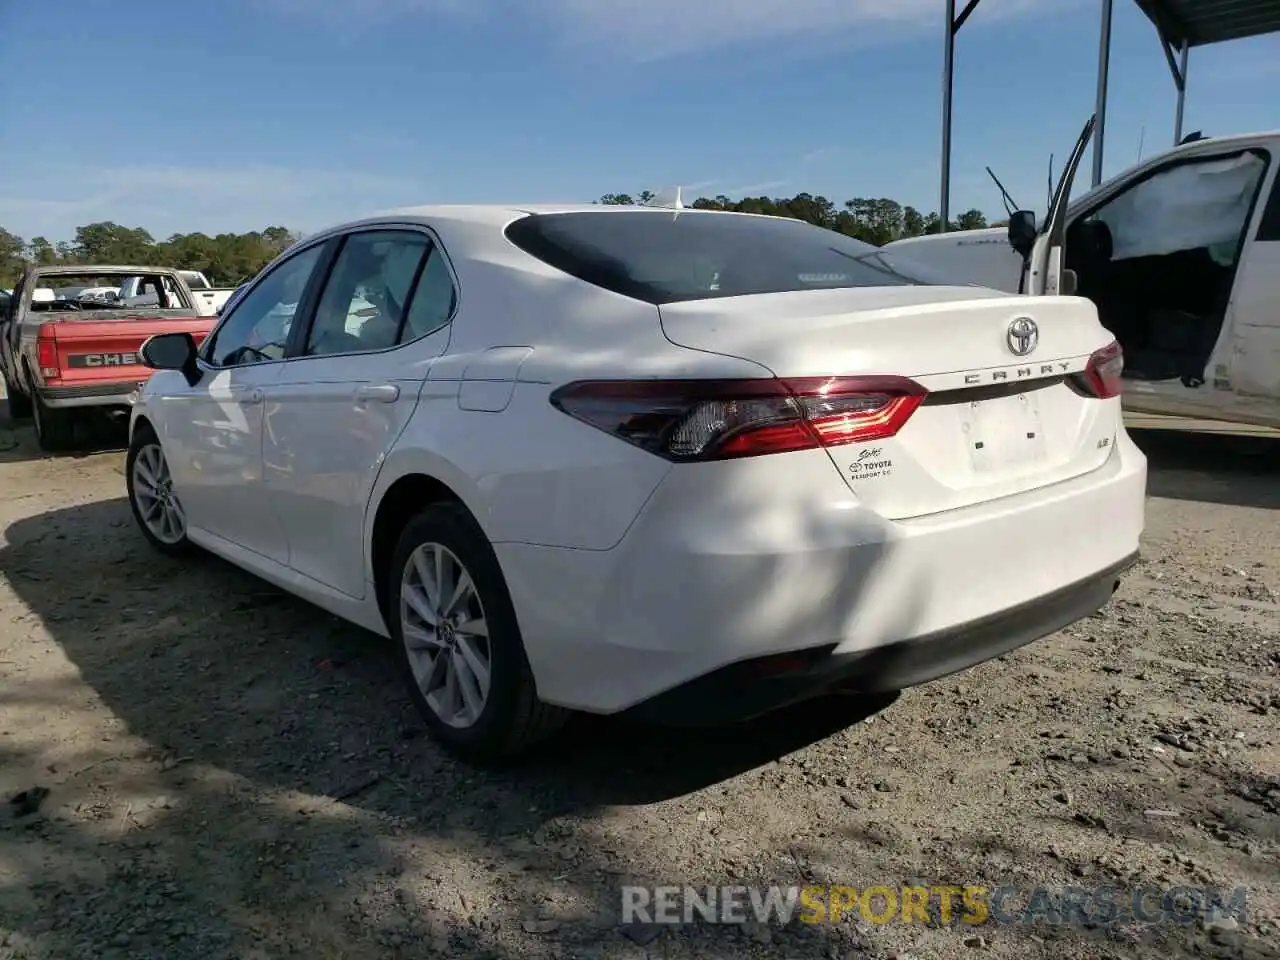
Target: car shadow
point(133, 624)
point(1209, 467)
point(276, 779)
point(211, 670)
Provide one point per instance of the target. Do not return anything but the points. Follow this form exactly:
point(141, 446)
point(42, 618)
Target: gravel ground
point(231, 773)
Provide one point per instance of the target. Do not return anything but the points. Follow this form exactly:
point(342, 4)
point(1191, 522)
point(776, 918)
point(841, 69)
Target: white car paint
point(630, 574)
point(1242, 370)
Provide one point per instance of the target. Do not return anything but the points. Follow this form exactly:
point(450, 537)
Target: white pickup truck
point(1181, 256)
point(209, 299)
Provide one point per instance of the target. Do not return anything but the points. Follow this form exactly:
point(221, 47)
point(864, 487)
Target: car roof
point(501, 214)
point(49, 272)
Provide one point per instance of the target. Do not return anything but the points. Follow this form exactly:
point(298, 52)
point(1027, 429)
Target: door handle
point(247, 396)
point(379, 392)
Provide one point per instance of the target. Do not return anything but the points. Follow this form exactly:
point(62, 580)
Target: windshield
point(663, 256)
point(195, 281)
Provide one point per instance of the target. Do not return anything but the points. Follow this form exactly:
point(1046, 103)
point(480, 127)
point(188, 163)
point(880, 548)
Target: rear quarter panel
point(528, 472)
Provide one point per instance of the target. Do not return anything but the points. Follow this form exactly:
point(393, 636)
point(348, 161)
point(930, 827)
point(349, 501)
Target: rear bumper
point(90, 395)
point(723, 568)
point(753, 687)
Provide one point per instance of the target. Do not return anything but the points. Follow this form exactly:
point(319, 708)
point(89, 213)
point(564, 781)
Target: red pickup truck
point(67, 349)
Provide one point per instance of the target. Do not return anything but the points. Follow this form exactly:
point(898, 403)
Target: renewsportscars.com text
point(944, 904)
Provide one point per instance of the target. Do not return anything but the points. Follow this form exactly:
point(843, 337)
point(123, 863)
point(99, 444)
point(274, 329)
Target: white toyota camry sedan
point(687, 465)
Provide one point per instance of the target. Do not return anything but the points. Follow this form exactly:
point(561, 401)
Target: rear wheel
point(155, 505)
point(458, 641)
point(55, 429)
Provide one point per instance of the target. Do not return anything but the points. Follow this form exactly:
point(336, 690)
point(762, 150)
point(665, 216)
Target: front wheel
point(19, 403)
point(154, 502)
point(458, 641)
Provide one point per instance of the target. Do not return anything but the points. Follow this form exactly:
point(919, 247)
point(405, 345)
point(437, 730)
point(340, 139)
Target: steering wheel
point(242, 353)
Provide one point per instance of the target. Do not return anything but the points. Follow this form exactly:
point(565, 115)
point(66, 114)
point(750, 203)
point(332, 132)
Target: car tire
point(481, 629)
point(19, 403)
point(151, 496)
point(55, 429)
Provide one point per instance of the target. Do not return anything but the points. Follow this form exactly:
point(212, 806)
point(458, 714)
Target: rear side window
point(663, 256)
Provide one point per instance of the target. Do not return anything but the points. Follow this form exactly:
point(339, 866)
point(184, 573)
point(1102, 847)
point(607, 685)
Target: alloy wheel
point(158, 505)
point(446, 635)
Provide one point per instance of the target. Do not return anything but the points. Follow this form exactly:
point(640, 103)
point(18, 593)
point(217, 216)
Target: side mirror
point(1022, 232)
point(172, 351)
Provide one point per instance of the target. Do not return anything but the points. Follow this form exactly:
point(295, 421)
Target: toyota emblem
point(1023, 336)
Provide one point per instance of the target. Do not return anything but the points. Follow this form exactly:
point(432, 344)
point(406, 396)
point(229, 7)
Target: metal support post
point(1180, 81)
point(948, 71)
point(1100, 103)
point(953, 25)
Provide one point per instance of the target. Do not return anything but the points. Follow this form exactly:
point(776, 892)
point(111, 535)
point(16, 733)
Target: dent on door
point(489, 381)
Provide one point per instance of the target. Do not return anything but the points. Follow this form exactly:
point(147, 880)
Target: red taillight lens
point(1102, 377)
point(684, 420)
point(47, 355)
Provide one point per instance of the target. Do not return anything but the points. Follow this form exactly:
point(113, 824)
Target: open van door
point(1042, 251)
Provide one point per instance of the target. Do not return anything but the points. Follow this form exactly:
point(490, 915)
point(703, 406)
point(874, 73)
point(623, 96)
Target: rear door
point(348, 391)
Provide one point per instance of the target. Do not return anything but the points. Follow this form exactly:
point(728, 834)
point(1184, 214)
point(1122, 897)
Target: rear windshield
point(663, 256)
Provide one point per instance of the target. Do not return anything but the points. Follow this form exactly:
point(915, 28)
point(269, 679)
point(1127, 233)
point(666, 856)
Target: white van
point(1181, 255)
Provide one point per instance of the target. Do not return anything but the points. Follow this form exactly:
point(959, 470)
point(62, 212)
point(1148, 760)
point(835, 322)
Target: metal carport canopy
point(1180, 25)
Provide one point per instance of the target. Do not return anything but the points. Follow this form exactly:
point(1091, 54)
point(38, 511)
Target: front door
point(212, 434)
point(213, 431)
point(1176, 280)
point(1045, 264)
point(1254, 357)
point(347, 392)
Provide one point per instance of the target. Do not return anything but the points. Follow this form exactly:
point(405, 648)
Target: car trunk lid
point(994, 423)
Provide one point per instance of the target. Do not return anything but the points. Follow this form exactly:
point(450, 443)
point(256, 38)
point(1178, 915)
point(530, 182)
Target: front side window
point(256, 329)
point(1199, 204)
point(364, 301)
point(663, 256)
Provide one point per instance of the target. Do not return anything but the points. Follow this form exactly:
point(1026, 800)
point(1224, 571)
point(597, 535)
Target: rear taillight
point(1102, 377)
point(47, 353)
point(684, 420)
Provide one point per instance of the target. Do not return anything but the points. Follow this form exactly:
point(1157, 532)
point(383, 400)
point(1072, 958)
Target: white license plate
point(1004, 432)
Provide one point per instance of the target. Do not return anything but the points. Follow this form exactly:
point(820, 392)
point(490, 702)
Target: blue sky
point(246, 113)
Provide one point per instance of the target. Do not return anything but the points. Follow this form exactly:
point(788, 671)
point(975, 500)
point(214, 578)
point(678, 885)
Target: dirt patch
point(231, 773)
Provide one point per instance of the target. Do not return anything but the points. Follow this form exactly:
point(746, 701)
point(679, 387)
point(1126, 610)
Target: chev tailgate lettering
point(94, 360)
